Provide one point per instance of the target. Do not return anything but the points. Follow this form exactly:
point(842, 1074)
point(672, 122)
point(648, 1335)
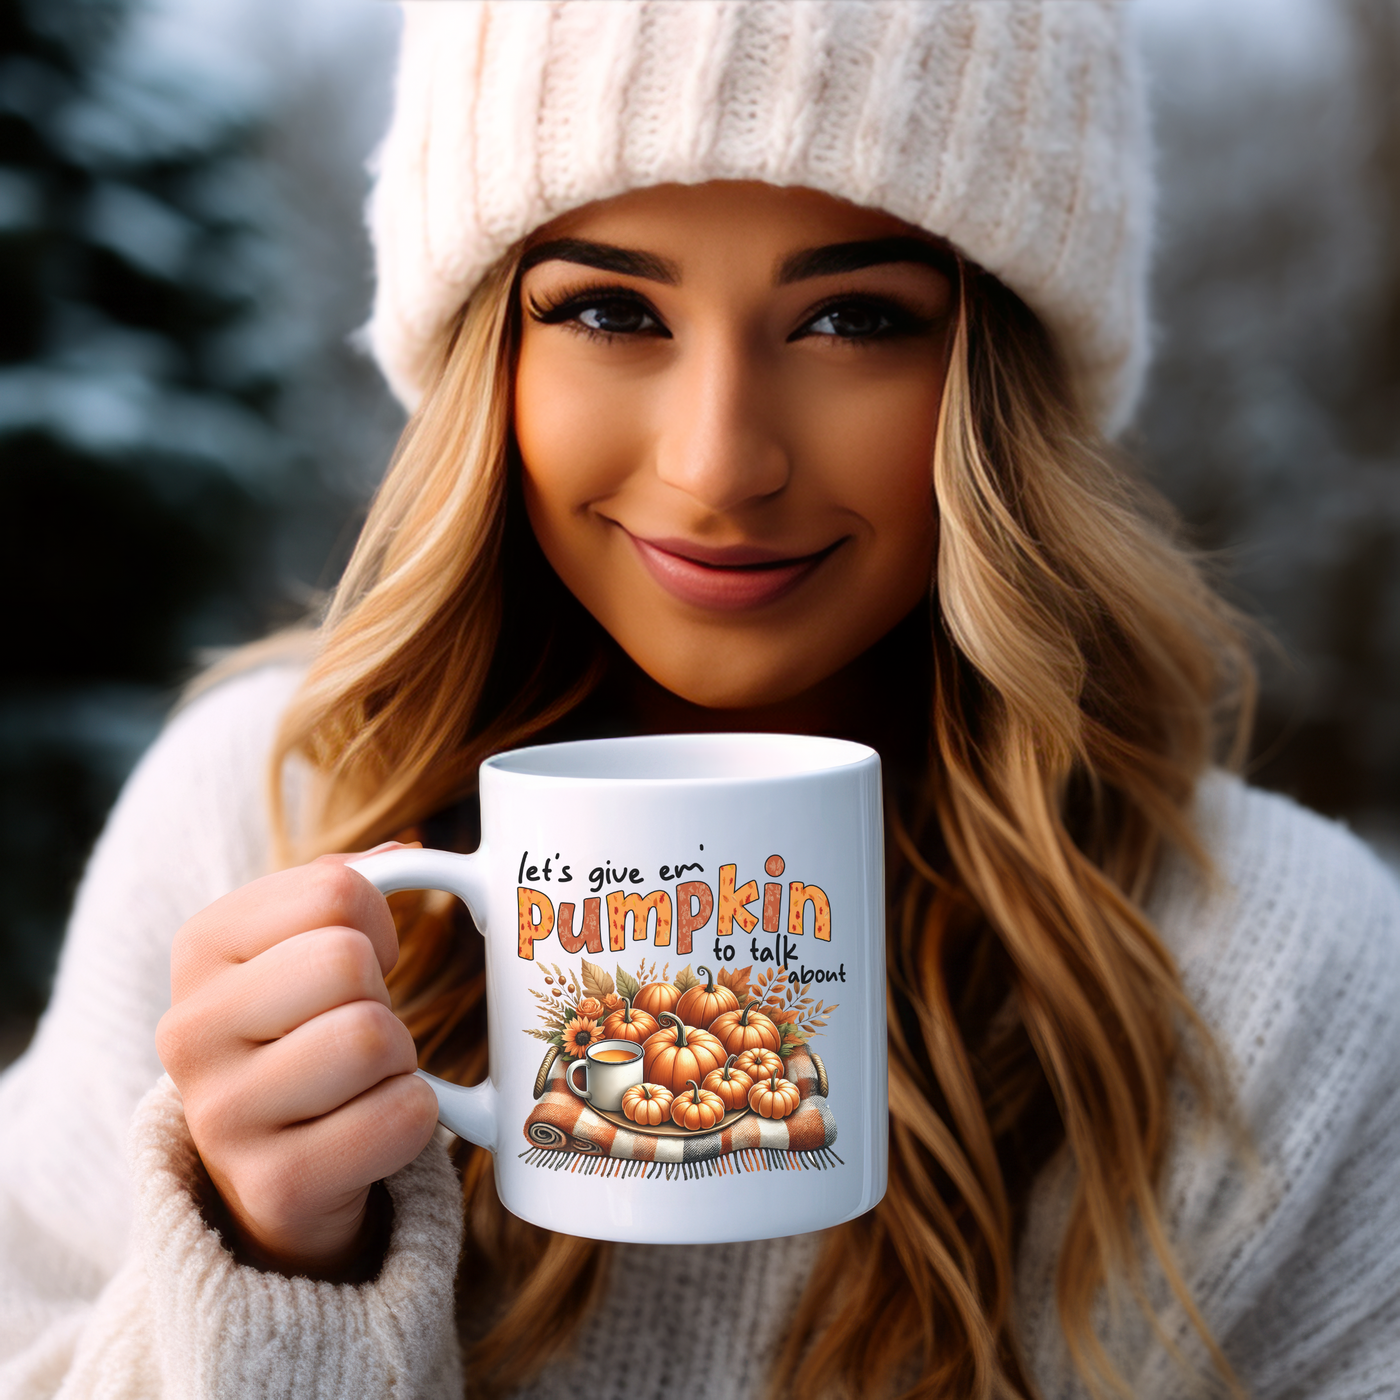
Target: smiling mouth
point(730, 579)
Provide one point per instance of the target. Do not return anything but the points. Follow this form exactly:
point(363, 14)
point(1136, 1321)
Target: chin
point(712, 688)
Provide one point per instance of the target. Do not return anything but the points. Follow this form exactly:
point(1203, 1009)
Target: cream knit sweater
point(112, 1285)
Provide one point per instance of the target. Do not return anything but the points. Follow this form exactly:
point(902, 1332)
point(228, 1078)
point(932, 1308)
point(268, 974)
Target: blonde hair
point(1081, 676)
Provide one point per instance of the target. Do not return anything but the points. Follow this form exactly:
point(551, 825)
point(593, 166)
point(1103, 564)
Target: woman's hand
point(296, 1076)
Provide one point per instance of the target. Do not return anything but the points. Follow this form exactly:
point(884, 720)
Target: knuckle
point(171, 1037)
point(417, 1104)
point(373, 1034)
point(406, 1113)
point(211, 1109)
point(195, 942)
point(338, 890)
point(182, 1040)
point(347, 959)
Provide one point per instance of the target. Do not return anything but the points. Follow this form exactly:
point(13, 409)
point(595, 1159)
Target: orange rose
point(591, 1008)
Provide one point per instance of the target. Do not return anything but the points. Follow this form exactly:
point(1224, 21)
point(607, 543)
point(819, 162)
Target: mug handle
point(468, 1112)
point(569, 1078)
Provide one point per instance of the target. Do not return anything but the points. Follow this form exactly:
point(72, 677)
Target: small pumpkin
point(701, 1004)
point(760, 1064)
point(774, 1097)
point(732, 1085)
point(748, 1029)
point(679, 1053)
point(696, 1109)
point(630, 1024)
point(647, 1104)
point(655, 998)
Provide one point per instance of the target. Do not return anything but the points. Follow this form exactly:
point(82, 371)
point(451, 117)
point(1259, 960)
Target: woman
point(763, 358)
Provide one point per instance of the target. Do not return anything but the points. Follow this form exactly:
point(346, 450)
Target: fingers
point(296, 1075)
point(299, 1194)
point(248, 1004)
point(376, 1134)
point(252, 919)
point(317, 1068)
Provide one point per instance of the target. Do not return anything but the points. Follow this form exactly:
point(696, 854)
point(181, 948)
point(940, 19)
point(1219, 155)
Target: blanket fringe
point(747, 1159)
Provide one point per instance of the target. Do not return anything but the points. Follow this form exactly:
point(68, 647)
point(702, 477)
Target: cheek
point(579, 436)
point(873, 450)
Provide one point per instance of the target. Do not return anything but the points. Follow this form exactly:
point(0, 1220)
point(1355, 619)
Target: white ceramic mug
point(610, 1068)
point(624, 879)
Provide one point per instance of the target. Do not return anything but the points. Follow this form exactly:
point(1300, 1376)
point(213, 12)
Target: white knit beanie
point(1013, 128)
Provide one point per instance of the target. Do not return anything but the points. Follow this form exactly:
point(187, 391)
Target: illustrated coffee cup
point(610, 1067)
point(685, 983)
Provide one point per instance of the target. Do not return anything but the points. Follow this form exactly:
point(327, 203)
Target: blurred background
point(188, 435)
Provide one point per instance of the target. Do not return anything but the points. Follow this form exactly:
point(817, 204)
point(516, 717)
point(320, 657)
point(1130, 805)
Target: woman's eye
point(617, 318)
point(600, 313)
point(852, 321)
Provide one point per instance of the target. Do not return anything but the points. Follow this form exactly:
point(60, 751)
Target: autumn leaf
point(685, 979)
point(596, 982)
point(737, 981)
point(627, 985)
point(793, 1038)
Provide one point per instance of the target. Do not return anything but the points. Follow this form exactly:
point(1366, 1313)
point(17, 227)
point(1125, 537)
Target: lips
point(732, 578)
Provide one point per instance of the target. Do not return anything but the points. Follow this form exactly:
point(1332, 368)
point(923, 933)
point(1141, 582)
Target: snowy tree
point(147, 470)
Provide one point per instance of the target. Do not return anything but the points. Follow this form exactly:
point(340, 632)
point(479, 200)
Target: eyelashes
point(601, 313)
point(614, 313)
point(857, 319)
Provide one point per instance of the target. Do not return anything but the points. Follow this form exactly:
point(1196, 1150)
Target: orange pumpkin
point(647, 1104)
point(774, 1097)
point(679, 1053)
point(697, 1109)
point(760, 1064)
point(629, 1024)
point(748, 1029)
point(732, 1085)
point(655, 998)
point(700, 1005)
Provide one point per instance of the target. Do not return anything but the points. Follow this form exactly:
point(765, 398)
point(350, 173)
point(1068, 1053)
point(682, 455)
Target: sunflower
point(579, 1034)
point(590, 1008)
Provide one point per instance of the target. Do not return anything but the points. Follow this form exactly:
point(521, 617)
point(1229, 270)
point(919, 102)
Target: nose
point(719, 441)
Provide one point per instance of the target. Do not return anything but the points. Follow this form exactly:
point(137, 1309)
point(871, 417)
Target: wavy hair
point(1081, 674)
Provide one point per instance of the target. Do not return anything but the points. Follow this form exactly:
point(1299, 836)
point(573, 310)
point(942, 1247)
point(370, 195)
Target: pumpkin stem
point(709, 976)
point(773, 1085)
point(728, 1064)
point(744, 1014)
point(680, 1025)
point(696, 1090)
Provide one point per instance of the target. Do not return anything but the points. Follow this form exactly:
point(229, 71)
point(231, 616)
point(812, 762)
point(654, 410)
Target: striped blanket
point(562, 1130)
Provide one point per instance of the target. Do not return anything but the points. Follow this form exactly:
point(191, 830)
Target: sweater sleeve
point(1286, 1228)
point(110, 1281)
point(1298, 1260)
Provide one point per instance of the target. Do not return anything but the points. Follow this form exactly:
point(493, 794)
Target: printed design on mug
point(707, 1071)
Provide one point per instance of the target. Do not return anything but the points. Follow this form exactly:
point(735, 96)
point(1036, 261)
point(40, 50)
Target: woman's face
point(725, 405)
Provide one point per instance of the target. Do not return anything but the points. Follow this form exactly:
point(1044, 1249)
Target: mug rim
point(804, 755)
point(613, 1043)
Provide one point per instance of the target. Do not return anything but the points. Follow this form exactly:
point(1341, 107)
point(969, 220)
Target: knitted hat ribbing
point(1013, 128)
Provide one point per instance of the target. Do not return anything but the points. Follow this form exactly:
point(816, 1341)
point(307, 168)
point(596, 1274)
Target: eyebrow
point(830, 260)
point(836, 258)
point(631, 262)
